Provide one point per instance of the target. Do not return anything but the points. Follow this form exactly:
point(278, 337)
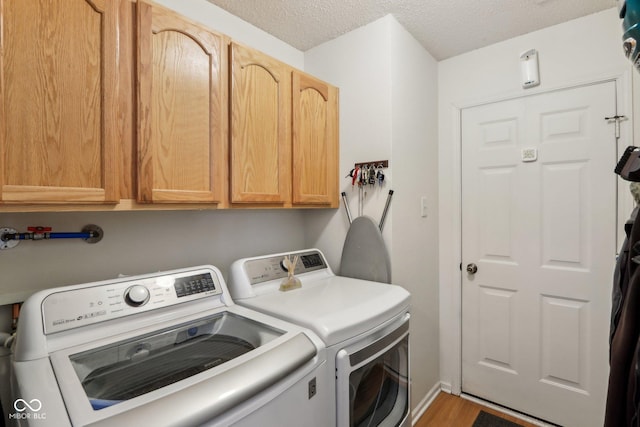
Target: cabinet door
point(260, 127)
point(181, 108)
point(58, 95)
point(315, 141)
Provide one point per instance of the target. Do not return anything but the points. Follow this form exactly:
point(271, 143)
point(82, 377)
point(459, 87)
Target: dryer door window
point(373, 385)
point(378, 391)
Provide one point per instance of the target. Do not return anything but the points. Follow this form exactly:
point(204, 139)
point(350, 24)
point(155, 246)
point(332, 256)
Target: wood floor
point(448, 410)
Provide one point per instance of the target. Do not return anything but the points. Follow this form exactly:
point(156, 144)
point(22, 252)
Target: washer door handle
point(472, 268)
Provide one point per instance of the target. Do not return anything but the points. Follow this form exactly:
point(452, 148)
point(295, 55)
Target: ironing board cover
point(364, 254)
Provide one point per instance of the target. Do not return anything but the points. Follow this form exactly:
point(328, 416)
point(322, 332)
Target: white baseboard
point(424, 404)
point(446, 387)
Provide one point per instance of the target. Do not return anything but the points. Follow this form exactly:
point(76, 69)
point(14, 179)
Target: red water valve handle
point(39, 229)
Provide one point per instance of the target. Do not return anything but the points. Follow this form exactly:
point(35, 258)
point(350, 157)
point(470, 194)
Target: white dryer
point(164, 349)
point(365, 326)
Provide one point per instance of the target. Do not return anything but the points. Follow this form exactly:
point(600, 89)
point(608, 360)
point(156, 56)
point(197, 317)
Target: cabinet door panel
point(58, 95)
point(260, 127)
point(181, 109)
point(315, 141)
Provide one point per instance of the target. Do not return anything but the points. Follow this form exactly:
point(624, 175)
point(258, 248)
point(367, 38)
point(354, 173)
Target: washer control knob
point(136, 295)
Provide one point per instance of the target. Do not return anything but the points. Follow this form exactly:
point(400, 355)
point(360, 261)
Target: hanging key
point(372, 175)
point(354, 175)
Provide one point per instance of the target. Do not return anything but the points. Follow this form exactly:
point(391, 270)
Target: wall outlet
point(423, 207)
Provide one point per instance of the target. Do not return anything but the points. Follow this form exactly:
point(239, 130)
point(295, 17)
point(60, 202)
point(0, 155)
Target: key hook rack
point(368, 173)
point(378, 164)
point(9, 237)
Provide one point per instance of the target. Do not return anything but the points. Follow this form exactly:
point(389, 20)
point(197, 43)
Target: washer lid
point(126, 369)
point(205, 367)
point(335, 308)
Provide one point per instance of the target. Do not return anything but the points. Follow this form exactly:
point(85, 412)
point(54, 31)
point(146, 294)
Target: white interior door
point(539, 222)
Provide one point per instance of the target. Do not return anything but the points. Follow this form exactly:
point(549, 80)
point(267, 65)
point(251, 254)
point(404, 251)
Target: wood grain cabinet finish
point(284, 133)
point(58, 94)
point(182, 111)
point(108, 99)
point(315, 141)
point(260, 127)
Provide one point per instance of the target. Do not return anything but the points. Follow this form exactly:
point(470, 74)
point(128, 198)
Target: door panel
point(539, 211)
point(496, 329)
point(563, 364)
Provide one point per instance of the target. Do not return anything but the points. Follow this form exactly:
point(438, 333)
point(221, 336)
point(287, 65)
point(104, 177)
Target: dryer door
point(373, 382)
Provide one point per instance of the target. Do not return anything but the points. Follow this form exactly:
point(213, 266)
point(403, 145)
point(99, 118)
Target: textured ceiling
point(445, 28)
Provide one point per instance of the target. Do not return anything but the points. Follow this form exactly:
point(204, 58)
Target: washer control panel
point(261, 270)
point(81, 306)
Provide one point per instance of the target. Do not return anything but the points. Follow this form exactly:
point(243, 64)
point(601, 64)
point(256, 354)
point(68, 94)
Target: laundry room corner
point(388, 110)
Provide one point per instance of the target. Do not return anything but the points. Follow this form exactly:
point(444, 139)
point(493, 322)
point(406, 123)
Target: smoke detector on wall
point(529, 68)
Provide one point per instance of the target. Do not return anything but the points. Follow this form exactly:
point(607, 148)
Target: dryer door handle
point(379, 346)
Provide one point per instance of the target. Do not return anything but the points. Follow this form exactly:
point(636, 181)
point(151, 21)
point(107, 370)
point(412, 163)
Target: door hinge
point(616, 119)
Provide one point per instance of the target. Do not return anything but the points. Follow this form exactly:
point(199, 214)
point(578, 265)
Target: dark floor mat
point(485, 419)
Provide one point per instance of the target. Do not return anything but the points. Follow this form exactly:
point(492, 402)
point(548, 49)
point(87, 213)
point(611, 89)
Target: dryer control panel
point(75, 307)
point(261, 270)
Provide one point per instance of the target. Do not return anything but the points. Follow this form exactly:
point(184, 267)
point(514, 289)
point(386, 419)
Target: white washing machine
point(365, 326)
point(164, 349)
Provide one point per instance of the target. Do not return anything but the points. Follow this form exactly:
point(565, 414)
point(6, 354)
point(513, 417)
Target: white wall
point(388, 111)
point(143, 242)
point(414, 251)
point(579, 51)
point(358, 63)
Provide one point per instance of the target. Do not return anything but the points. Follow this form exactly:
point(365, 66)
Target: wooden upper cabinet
point(182, 111)
point(315, 141)
point(260, 127)
point(58, 93)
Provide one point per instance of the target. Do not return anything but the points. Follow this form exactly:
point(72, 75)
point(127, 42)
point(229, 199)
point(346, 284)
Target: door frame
point(451, 261)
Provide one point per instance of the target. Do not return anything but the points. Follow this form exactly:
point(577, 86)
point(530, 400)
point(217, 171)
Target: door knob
point(472, 268)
